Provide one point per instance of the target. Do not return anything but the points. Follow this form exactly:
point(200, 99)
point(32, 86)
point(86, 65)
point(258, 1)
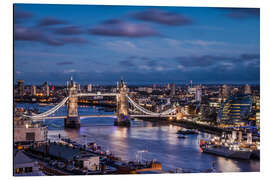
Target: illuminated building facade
point(235, 110)
point(20, 87)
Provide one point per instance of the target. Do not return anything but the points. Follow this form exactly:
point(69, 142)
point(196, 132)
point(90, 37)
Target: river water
point(159, 142)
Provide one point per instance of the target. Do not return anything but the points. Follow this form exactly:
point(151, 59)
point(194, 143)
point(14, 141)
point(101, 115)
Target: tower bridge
point(123, 114)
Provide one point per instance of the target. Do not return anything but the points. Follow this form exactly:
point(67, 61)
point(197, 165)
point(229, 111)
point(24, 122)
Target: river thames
point(158, 142)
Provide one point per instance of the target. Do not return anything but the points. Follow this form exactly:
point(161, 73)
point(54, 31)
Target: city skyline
point(141, 44)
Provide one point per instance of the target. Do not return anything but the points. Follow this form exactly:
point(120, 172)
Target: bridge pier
point(123, 118)
point(73, 119)
point(72, 122)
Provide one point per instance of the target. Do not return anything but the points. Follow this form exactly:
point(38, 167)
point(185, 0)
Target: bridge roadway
point(111, 116)
point(96, 94)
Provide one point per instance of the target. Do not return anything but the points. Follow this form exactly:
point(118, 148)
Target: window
point(30, 136)
point(28, 169)
point(19, 170)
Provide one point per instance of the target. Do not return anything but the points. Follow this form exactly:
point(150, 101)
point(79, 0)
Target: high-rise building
point(224, 92)
point(172, 93)
point(198, 95)
point(89, 88)
point(234, 91)
point(33, 90)
point(154, 86)
point(46, 89)
point(247, 89)
point(20, 87)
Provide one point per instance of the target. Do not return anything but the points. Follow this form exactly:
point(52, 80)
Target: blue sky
point(145, 45)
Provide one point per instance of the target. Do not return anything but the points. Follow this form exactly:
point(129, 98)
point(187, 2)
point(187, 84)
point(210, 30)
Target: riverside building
point(235, 110)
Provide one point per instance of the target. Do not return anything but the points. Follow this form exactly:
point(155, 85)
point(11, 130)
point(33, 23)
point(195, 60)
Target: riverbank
point(187, 124)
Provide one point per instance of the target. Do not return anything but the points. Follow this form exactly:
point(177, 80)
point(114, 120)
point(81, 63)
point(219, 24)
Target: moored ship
point(231, 147)
point(227, 152)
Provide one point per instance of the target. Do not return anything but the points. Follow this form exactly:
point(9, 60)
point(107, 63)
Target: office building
point(172, 93)
point(247, 89)
point(46, 89)
point(89, 88)
point(198, 94)
point(20, 85)
point(33, 90)
point(235, 110)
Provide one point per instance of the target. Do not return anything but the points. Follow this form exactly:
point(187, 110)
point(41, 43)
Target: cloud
point(68, 71)
point(197, 61)
point(63, 63)
point(50, 21)
point(27, 34)
point(204, 43)
point(126, 63)
point(69, 30)
point(242, 13)
point(221, 62)
point(117, 27)
point(249, 56)
point(20, 15)
point(22, 33)
point(75, 40)
point(163, 17)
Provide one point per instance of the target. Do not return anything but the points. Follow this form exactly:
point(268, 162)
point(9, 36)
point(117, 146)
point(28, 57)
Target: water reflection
point(160, 142)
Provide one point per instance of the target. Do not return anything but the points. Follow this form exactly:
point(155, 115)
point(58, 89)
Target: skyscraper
point(172, 93)
point(20, 87)
point(46, 89)
point(224, 91)
point(247, 89)
point(89, 88)
point(33, 90)
point(198, 95)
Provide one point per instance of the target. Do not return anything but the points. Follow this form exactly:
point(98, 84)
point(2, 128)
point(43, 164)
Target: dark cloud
point(198, 61)
point(27, 34)
point(249, 56)
point(50, 21)
point(20, 15)
point(76, 40)
point(127, 63)
point(117, 27)
point(163, 17)
point(22, 33)
point(63, 63)
point(69, 30)
point(221, 62)
point(242, 13)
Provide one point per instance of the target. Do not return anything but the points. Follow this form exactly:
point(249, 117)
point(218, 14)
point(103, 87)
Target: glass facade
point(235, 110)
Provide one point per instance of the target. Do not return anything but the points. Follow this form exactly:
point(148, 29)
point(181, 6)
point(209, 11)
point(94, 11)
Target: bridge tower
point(123, 118)
point(73, 119)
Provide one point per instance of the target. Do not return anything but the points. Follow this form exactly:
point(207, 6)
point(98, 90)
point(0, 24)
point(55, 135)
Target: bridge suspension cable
point(50, 111)
point(146, 111)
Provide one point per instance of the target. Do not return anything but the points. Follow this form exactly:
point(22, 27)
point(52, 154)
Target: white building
point(90, 163)
point(27, 132)
point(89, 88)
point(198, 95)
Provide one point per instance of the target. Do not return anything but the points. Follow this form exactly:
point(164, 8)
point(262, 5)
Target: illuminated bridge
point(126, 108)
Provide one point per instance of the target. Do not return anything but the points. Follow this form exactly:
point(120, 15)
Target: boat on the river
point(229, 152)
point(180, 136)
point(187, 132)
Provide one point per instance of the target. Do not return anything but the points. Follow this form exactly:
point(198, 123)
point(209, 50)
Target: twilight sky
point(99, 44)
